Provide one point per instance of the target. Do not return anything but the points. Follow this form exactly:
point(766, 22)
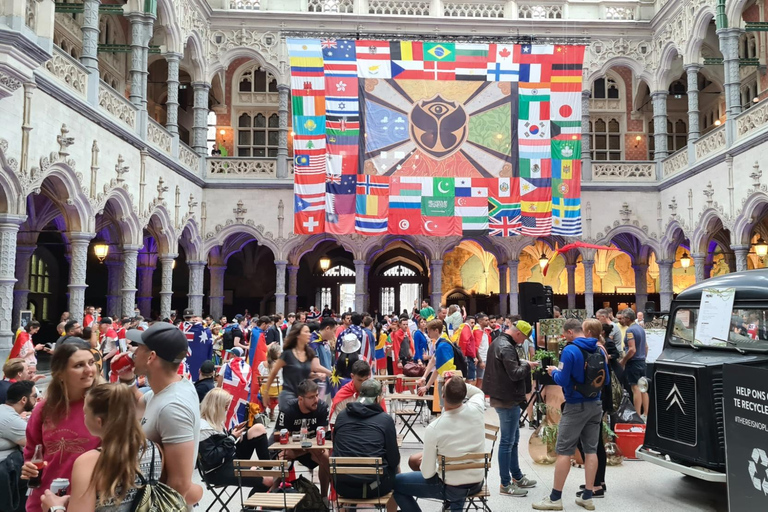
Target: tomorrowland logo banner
point(411, 137)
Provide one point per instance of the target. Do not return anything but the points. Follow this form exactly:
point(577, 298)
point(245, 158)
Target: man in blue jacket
point(581, 418)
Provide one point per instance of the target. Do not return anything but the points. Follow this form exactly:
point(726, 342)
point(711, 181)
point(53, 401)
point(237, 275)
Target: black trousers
point(358, 491)
point(244, 450)
point(602, 461)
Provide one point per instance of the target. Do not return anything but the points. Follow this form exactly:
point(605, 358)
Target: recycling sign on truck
point(745, 401)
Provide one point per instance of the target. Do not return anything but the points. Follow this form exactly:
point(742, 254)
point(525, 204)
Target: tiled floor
point(634, 486)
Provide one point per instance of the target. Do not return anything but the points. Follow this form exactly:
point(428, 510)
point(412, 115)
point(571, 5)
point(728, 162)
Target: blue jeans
point(509, 423)
point(409, 486)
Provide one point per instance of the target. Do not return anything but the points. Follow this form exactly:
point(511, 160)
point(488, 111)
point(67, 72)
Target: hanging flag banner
point(436, 138)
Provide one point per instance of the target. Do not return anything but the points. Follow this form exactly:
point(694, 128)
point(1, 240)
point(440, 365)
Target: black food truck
point(685, 430)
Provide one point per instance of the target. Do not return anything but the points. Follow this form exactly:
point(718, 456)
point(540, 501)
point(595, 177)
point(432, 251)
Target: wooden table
point(297, 446)
point(409, 419)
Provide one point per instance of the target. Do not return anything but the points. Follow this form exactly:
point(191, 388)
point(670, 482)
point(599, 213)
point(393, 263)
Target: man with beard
point(19, 402)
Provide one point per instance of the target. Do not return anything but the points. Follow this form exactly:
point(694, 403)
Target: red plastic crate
point(627, 441)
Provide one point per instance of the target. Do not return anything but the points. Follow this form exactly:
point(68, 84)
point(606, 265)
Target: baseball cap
point(238, 318)
point(237, 352)
point(189, 312)
point(524, 327)
point(166, 340)
point(369, 391)
point(207, 367)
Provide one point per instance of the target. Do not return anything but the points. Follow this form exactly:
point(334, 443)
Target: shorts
point(471, 369)
point(579, 422)
point(634, 369)
point(480, 373)
point(307, 462)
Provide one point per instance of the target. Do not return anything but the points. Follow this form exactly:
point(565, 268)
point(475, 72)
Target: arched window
point(606, 139)
point(339, 271)
point(255, 112)
point(256, 80)
point(399, 271)
point(605, 88)
point(39, 287)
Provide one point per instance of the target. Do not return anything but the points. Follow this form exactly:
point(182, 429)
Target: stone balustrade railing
point(68, 71)
point(623, 171)
point(710, 143)
point(116, 105)
point(188, 157)
point(752, 119)
point(159, 136)
point(675, 162)
point(526, 9)
point(239, 167)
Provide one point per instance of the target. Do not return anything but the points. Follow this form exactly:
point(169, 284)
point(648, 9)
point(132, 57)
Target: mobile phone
point(241, 425)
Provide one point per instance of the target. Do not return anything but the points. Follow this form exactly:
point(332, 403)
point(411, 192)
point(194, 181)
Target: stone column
point(586, 156)
point(114, 286)
point(166, 283)
point(280, 266)
point(293, 285)
point(359, 285)
point(137, 58)
point(172, 104)
point(571, 273)
point(23, 254)
point(9, 231)
point(692, 72)
point(367, 300)
point(130, 263)
point(216, 297)
point(740, 255)
point(729, 47)
point(144, 300)
point(503, 294)
point(196, 279)
point(641, 285)
point(665, 284)
point(283, 92)
point(514, 293)
point(436, 280)
point(200, 115)
point(77, 270)
point(659, 99)
point(698, 266)
point(90, 57)
point(589, 295)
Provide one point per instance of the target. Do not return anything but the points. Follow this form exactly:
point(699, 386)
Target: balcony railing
point(188, 158)
point(623, 171)
point(675, 162)
point(752, 119)
point(159, 136)
point(710, 143)
point(116, 105)
point(239, 167)
point(68, 71)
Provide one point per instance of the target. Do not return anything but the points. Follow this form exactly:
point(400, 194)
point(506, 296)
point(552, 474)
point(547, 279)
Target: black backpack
point(594, 374)
point(458, 356)
point(228, 338)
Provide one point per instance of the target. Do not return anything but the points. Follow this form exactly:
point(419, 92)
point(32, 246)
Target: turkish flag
point(441, 226)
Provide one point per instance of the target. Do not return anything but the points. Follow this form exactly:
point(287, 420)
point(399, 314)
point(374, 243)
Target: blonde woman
point(106, 479)
point(219, 447)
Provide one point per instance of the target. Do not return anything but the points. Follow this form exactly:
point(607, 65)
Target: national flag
point(471, 61)
point(473, 187)
point(373, 60)
point(438, 187)
point(236, 380)
point(341, 86)
point(345, 185)
point(340, 60)
point(405, 192)
point(342, 123)
point(442, 71)
point(536, 226)
point(341, 162)
point(304, 142)
point(495, 72)
point(328, 43)
point(473, 212)
point(309, 189)
point(307, 85)
point(406, 51)
point(308, 203)
point(504, 226)
point(440, 226)
point(501, 64)
point(309, 48)
point(568, 149)
point(368, 184)
point(308, 125)
point(342, 106)
point(409, 70)
point(308, 105)
point(440, 206)
point(535, 168)
point(440, 52)
point(308, 223)
point(565, 130)
point(371, 214)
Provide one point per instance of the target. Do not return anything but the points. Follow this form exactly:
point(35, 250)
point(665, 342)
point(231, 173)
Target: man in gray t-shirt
point(170, 412)
point(21, 398)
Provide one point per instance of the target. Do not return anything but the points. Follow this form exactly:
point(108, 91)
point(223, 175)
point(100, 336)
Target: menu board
point(714, 320)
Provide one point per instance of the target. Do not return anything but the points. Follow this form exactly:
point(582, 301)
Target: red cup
point(123, 364)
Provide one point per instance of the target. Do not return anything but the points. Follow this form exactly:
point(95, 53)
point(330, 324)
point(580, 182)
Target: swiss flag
point(309, 222)
point(440, 226)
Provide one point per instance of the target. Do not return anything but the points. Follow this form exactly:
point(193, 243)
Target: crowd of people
point(127, 394)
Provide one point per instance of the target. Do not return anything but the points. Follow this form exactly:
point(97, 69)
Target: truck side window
point(685, 323)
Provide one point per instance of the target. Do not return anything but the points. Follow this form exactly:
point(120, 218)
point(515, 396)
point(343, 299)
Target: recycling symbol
point(758, 455)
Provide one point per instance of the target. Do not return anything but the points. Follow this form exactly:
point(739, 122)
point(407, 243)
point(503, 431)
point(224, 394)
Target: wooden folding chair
point(359, 466)
point(492, 434)
point(468, 461)
point(277, 469)
point(220, 493)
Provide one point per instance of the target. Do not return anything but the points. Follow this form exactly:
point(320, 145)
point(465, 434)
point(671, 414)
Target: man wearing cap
point(507, 380)
point(364, 429)
point(170, 411)
point(206, 381)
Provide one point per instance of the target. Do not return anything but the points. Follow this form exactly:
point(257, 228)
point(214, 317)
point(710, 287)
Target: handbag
point(156, 496)
point(412, 369)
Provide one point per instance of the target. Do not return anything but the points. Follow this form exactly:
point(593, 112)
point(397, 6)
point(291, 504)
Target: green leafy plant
point(545, 355)
point(609, 434)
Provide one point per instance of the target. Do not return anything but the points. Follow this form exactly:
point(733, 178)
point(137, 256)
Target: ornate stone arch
point(11, 197)
point(754, 206)
point(224, 232)
point(195, 57)
point(300, 246)
point(61, 184)
point(664, 73)
point(673, 237)
point(705, 230)
point(189, 238)
point(161, 228)
point(637, 69)
point(733, 11)
point(383, 243)
point(228, 57)
point(698, 33)
point(613, 236)
point(168, 19)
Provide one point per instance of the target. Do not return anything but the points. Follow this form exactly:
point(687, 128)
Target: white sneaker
point(548, 504)
point(587, 504)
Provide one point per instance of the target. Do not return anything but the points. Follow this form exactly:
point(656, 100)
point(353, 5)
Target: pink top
point(62, 444)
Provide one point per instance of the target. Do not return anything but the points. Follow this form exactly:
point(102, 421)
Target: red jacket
point(467, 341)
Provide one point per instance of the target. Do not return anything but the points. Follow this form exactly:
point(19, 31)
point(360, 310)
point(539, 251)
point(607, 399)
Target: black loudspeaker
point(533, 302)
point(650, 311)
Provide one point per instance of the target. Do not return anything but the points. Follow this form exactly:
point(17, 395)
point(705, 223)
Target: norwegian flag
point(236, 378)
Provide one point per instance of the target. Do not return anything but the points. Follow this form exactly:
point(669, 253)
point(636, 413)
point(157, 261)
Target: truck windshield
point(748, 331)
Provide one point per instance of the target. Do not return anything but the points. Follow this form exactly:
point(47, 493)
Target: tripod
point(535, 399)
